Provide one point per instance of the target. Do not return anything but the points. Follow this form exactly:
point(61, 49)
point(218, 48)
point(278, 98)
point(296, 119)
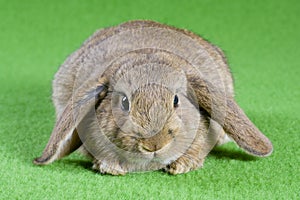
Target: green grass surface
point(261, 40)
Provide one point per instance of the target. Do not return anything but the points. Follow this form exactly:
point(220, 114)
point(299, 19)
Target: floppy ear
point(64, 138)
point(231, 117)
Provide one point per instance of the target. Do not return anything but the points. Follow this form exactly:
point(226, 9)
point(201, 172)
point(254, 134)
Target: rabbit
point(144, 96)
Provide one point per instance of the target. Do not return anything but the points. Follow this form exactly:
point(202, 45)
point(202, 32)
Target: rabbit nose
point(150, 148)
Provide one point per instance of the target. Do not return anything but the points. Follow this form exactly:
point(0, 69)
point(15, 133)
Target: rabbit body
point(146, 96)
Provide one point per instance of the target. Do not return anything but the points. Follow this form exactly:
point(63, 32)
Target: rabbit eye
point(125, 103)
point(176, 101)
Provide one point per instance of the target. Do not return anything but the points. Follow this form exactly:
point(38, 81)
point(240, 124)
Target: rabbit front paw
point(183, 165)
point(108, 168)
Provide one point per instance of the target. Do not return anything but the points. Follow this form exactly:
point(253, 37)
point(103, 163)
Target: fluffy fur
point(146, 65)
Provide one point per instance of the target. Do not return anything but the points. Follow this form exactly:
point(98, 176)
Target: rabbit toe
point(108, 168)
point(182, 166)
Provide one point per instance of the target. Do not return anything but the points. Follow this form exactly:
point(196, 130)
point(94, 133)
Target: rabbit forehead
point(152, 77)
point(144, 67)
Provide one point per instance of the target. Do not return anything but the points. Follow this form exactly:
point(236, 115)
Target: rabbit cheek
point(126, 142)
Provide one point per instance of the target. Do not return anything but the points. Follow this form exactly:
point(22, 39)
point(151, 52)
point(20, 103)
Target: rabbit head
point(150, 115)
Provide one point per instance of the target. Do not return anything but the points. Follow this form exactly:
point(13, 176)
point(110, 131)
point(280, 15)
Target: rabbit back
point(103, 47)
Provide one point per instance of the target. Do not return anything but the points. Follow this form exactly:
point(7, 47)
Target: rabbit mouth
point(164, 155)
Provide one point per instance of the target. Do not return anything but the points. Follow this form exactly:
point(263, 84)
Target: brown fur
point(148, 63)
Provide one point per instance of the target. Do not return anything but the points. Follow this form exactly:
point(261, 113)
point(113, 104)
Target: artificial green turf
point(261, 40)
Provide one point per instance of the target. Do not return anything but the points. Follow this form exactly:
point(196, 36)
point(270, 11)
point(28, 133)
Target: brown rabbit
point(146, 96)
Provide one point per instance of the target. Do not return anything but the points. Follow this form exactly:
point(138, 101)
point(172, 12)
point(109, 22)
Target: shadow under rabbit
point(231, 154)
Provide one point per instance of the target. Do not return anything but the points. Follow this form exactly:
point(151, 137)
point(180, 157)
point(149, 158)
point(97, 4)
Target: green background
point(261, 41)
